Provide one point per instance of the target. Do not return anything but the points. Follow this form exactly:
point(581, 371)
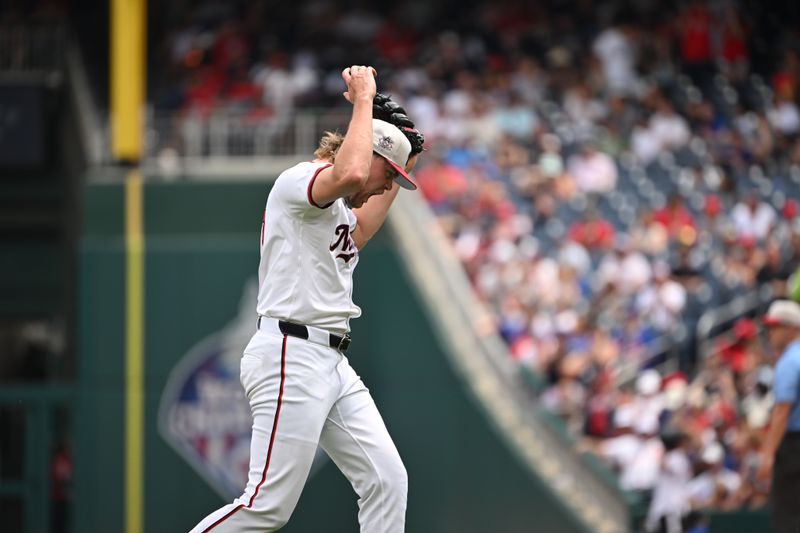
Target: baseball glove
point(384, 108)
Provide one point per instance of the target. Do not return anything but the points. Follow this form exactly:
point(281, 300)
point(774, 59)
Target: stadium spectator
point(670, 130)
point(622, 445)
point(695, 27)
point(753, 218)
point(584, 110)
point(734, 57)
point(442, 184)
point(717, 487)
point(617, 54)
point(662, 301)
point(685, 270)
point(567, 396)
point(516, 118)
point(625, 267)
point(670, 503)
point(550, 163)
point(592, 170)
point(785, 115)
point(642, 472)
point(737, 352)
point(593, 232)
point(757, 403)
point(775, 270)
point(675, 217)
point(645, 145)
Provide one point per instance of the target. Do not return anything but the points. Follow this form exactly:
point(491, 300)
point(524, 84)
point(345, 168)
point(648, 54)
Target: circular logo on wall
point(204, 414)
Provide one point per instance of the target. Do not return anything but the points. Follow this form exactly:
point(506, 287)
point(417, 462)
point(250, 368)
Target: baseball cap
point(745, 329)
point(391, 144)
point(648, 382)
point(782, 313)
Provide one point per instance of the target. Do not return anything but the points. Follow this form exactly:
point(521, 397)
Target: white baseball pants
point(303, 394)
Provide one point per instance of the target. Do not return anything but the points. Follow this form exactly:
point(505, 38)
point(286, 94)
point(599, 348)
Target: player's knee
point(279, 524)
point(274, 522)
point(394, 478)
point(272, 519)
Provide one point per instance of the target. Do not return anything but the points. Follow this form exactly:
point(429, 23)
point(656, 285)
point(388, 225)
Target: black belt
point(301, 332)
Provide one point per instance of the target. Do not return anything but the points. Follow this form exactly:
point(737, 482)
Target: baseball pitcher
point(301, 387)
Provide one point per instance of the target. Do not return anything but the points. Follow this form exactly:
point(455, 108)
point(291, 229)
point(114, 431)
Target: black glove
point(387, 110)
point(416, 139)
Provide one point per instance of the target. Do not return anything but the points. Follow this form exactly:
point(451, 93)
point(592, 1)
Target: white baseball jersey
point(299, 236)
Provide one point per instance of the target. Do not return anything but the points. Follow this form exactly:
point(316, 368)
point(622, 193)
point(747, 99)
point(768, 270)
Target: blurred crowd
point(686, 445)
point(607, 171)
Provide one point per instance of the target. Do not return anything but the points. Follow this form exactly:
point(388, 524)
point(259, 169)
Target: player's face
point(381, 179)
point(780, 336)
point(382, 175)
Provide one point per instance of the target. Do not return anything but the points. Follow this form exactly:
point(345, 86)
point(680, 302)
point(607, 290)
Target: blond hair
point(328, 146)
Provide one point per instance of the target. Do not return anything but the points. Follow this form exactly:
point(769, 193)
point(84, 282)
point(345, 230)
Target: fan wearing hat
point(303, 393)
point(780, 453)
point(716, 485)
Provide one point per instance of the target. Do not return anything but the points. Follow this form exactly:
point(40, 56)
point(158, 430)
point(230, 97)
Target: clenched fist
point(360, 82)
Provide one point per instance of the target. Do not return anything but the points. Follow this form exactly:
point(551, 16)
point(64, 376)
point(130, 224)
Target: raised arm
point(351, 168)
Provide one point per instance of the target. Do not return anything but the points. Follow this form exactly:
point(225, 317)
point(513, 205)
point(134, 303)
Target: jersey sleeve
point(787, 378)
point(293, 188)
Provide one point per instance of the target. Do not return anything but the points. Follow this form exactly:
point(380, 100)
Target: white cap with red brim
point(782, 313)
point(391, 144)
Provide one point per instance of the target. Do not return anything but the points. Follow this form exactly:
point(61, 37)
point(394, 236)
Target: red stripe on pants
point(271, 442)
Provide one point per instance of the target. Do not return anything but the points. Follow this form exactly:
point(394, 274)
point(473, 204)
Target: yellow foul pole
point(128, 52)
point(134, 353)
